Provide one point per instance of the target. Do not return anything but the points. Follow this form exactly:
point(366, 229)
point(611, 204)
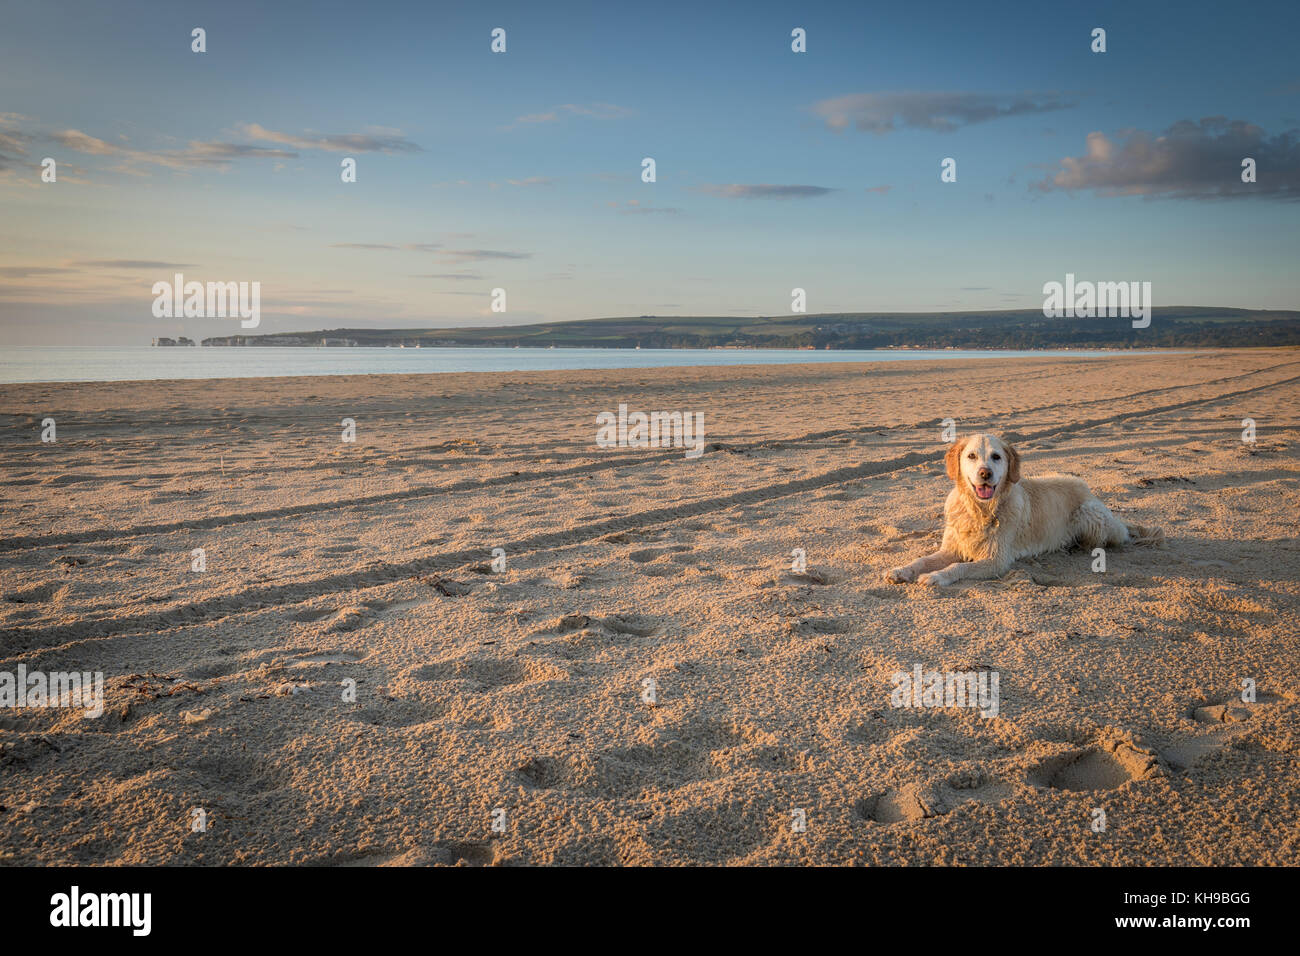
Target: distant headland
point(1172, 327)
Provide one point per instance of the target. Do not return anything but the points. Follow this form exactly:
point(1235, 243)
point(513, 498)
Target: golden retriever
point(993, 518)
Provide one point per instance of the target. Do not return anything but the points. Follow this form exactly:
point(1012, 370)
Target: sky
point(522, 170)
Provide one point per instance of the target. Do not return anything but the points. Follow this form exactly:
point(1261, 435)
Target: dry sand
point(523, 690)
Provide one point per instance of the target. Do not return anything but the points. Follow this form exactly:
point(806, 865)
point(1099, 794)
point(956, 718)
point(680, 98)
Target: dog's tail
point(1141, 534)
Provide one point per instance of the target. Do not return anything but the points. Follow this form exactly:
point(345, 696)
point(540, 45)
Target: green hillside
point(1171, 327)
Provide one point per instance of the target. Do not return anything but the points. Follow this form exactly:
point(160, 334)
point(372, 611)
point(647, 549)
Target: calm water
point(143, 363)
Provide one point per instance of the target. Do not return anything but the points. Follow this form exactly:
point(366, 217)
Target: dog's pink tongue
point(984, 491)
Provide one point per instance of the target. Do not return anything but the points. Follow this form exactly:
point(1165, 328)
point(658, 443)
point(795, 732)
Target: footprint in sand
point(1107, 766)
point(36, 595)
point(1227, 719)
point(463, 853)
point(330, 657)
point(448, 587)
point(311, 615)
point(663, 571)
point(236, 773)
point(646, 555)
point(544, 772)
point(817, 576)
point(923, 801)
point(638, 625)
point(815, 626)
point(839, 496)
point(489, 674)
point(679, 756)
point(207, 670)
point(569, 622)
point(397, 714)
point(349, 619)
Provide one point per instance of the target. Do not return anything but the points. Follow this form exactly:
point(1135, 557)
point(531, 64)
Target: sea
point(159, 363)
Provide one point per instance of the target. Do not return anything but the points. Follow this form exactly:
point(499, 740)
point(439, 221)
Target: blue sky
point(522, 170)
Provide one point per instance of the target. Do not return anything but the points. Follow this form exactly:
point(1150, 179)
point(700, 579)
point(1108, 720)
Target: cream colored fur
point(1020, 518)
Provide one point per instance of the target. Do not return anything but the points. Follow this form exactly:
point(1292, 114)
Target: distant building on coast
point(280, 340)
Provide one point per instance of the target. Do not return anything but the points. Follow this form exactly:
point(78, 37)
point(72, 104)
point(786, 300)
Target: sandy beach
point(350, 681)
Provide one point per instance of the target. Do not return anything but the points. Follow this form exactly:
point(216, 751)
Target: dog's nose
point(985, 474)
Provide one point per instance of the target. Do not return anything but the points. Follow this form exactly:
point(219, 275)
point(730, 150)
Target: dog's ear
point(1013, 465)
point(952, 460)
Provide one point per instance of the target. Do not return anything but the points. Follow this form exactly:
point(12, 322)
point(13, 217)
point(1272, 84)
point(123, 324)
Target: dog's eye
point(971, 456)
point(997, 457)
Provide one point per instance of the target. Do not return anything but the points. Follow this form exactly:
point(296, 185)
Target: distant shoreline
point(148, 363)
point(1018, 330)
point(683, 348)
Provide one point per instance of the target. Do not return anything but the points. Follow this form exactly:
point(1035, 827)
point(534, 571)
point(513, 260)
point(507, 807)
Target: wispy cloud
point(764, 191)
point(375, 140)
point(633, 207)
point(879, 190)
point(130, 264)
point(447, 275)
point(24, 272)
point(85, 143)
point(389, 247)
point(939, 111)
point(532, 181)
point(200, 154)
point(1188, 161)
point(434, 248)
point(18, 166)
point(13, 141)
point(83, 266)
point(598, 111)
point(470, 255)
point(196, 154)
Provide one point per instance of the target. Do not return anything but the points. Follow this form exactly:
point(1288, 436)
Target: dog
point(993, 517)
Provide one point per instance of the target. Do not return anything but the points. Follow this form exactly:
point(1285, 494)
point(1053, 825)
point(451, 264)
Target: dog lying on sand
point(993, 518)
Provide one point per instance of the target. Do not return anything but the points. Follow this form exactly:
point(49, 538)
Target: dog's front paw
point(935, 579)
point(900, 575)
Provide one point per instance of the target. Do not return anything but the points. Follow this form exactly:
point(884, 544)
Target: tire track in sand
point(95, 535)
point(260, 598)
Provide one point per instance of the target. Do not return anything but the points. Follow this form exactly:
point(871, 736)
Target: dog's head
point(983, 466)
